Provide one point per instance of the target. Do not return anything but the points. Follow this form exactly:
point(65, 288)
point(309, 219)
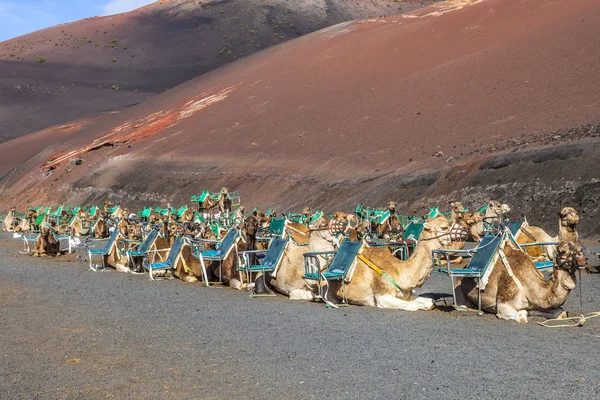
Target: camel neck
point(566, 233)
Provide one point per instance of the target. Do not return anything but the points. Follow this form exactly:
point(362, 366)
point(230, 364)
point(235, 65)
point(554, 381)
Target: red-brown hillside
point(66, 72)
point(407, 107)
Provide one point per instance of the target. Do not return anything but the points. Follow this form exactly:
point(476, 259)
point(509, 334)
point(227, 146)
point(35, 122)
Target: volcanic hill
point(469, 100)
point(69, 71)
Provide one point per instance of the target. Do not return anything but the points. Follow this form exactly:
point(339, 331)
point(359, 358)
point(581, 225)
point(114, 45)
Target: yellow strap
point(384, 274)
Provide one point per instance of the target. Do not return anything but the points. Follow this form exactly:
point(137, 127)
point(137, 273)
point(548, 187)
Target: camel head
point(224, 190)
point(570, 257)
point(251, 225)
point(437, 231)
point(569, 218)
point(498, 208)
point(457, 207)
point(321, 223)
point(391, 205)
point(306, 211)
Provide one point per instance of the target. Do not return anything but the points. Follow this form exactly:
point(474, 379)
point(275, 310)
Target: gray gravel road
point(70, 333)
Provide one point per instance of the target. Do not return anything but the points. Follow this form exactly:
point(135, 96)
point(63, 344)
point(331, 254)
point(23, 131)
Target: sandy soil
point(70, 334)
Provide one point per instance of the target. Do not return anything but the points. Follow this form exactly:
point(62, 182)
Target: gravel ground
point(69, 333)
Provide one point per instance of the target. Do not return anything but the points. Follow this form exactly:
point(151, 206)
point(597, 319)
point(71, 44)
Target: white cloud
point(119, 6)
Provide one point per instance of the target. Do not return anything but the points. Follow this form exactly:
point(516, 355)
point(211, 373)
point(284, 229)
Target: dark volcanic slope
point(359, 112)
point(148, 51)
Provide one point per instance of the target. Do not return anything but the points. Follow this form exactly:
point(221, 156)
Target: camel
point(514, 291)
point(100, 228)
point(288, 279)
point(494, 212)
point(116, 257)
point(368, 288)
point(46, 244)
point(79, 226)
point(10, 221)
point(28, 223)
point(392, 223)
point(224, 201)
point(567, 230)
point(466, 225)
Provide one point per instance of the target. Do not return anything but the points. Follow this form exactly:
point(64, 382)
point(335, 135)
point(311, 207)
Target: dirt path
point(70, 333)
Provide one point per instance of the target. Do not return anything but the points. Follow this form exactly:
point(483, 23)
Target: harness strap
point(380, 271)
point(509, 269)
point(528, 234)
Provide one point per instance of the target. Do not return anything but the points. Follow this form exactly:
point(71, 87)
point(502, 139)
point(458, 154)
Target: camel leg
point(301, 294)
point(508, 312)
point(390, 301)
point(122, 267)
point(459, 295)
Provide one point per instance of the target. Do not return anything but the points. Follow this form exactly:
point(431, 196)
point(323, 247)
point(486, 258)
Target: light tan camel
point(515, 290)
point(392, 223)
point(10, 221)
point(567, 230)
point(288, 279)
point(367, 287)
point(28, 223)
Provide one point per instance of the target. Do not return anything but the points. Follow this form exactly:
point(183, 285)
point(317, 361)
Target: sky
point(18, 17)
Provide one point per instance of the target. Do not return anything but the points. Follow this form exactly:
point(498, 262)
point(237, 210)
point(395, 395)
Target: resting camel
point(189, 269)
point(79, 227)
point(567, 230)
point(368, 288)
point(288, 278)
point(392, 223)
point(10, 221)
point(526, 292)
point(100, 229)
point(28, 223)
point(46, 243)
point(224, 201)
point(117, 258)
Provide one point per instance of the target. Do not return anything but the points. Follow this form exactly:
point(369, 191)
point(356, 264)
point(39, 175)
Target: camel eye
point(444, 228)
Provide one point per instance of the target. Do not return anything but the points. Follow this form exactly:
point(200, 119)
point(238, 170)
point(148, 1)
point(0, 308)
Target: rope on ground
point(576, 321)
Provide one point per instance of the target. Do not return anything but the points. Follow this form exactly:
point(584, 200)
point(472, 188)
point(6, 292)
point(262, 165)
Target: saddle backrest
point(277, 227)
point(175, 250)
point(275, 253)
point(344, 257)
point(485, 252)
point(515, 227)
point(111, 241)
point(413, 231)
point(150, 239)
point(227, 243)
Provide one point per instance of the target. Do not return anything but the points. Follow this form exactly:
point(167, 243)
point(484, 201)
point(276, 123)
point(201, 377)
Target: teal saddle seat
point(481, 259)
point(143, 249)
point(272, 258)
point(340, 264)
point(109, 244)
point(171, 258)
point(222, 248)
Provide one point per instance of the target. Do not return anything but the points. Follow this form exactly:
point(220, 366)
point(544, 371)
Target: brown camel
point(516, 288)
point(100, 229)
point(46, 244)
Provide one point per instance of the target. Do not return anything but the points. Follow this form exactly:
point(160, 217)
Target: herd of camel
point(377, 277)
